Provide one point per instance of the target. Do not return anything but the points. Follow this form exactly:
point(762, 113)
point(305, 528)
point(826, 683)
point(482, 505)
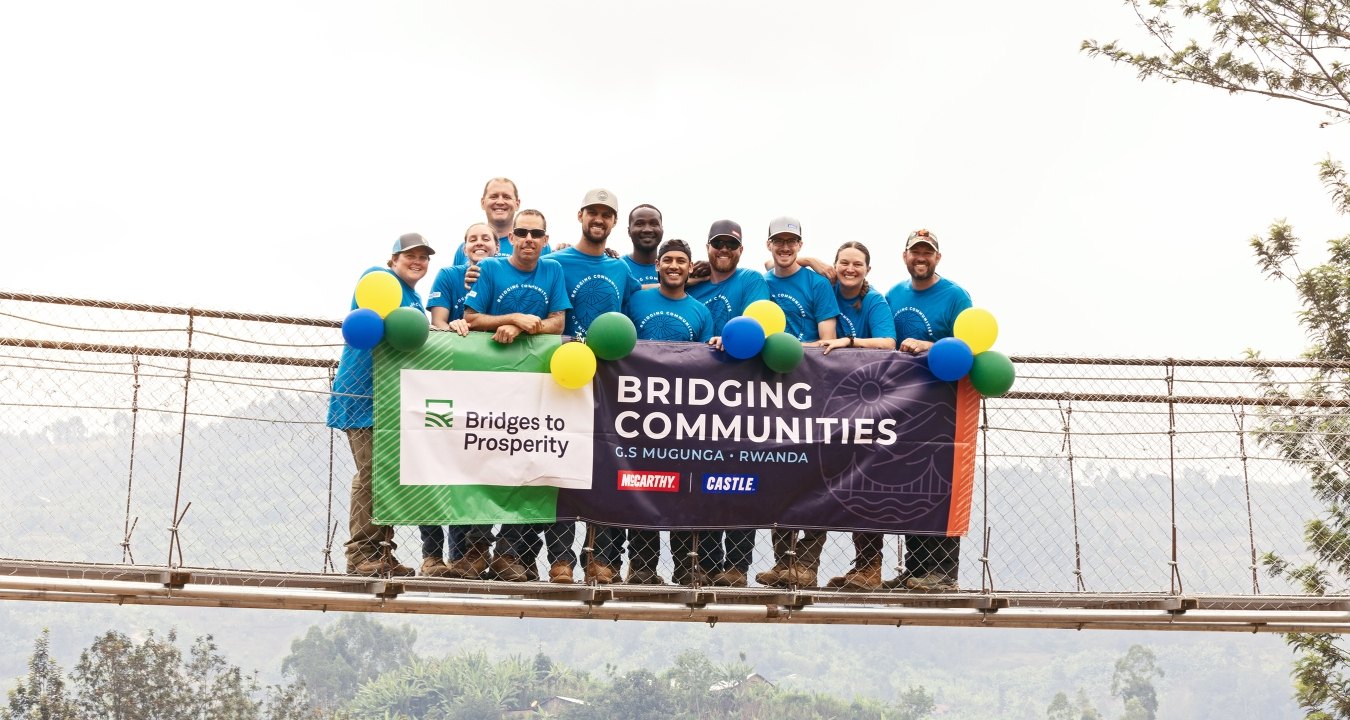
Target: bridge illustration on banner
point(173, 456)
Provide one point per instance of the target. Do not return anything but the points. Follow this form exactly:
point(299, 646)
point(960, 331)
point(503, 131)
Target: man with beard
point(925, 309)
point(725, 289)
point(596, 284)
point(500, 202)
point(644, 229)
point(664, 313)
point(469, 545)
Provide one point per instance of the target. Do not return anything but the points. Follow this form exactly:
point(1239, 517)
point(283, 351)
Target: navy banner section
point(687, 437)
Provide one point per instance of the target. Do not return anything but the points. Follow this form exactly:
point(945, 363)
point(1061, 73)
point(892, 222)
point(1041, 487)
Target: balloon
point(782, 352)
point(769, 315)
point(742, 337)
point(572, 365)
point(949, 359)
point(992, 373)
point(611, 336)
point(363, 329)
point(406, 329)
point(977, 327)
point(379, 291)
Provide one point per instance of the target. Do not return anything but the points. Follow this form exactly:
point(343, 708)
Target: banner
point(676, 435)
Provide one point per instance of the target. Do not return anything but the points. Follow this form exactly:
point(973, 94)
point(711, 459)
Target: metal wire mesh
point(165, 436)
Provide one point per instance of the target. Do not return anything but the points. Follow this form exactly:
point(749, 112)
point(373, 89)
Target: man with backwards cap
point(925, 308)
point(807, 299)
point(725, 289)
point(665, 313)
point(596, 284)
point(351, 408)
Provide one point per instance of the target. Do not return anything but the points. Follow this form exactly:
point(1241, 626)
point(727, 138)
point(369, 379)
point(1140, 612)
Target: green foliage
point(1132, 682)
point(1059, 709)
point(1287, 49)
point(332, 663)
point(468, 684)
point(42, 694)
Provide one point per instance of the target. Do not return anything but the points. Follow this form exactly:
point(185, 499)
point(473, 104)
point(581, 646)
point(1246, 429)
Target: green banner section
point(397, 504)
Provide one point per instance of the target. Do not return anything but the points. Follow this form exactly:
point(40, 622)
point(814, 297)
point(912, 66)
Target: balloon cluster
point(611, 336)
point(378, 316)
point(968, 352)
point(760, 331)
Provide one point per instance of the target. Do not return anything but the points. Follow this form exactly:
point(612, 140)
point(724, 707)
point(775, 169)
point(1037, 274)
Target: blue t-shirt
point(504, 248)
point(657, 317)
point(644, 274)
point(447, 291)
point(595, 286)
point(502, 289)
point(872, 320)
point(926, 314)
point(806, 299)
point(729, 298)
point(351, 405)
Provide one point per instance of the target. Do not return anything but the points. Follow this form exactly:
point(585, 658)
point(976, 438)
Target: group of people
point(507, 279)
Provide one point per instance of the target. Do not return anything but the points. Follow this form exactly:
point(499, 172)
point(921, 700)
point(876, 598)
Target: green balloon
point(405, 329)
point(992, 373)
point(782, 352)
point(611, 336)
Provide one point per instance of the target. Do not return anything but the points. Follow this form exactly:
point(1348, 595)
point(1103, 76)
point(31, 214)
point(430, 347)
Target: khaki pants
point(368, 540)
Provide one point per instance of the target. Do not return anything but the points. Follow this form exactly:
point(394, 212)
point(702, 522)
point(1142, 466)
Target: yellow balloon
point(572, 365)
point(978, 328)
point(379, 291)
point(768, 314)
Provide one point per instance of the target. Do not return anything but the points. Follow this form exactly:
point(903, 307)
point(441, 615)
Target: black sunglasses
point(721, 243)
point(535, 233)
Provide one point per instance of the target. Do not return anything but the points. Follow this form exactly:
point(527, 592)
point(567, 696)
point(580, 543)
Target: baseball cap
point(601, 196)
point(785, 224)
point(675, 245)
point(410, 241)
point(729, 228)
point(922, 236)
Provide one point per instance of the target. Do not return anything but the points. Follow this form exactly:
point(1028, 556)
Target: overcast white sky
point(257, 156)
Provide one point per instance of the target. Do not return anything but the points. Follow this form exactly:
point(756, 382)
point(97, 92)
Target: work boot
point(769, 578)
point(731, 577)
point(682, 576)
point(797, 575)
point(434, 566)
point(393, 568)
point(507, 568)
point(472, 564)
point(560, 572)
point(370, 567)
point(933, 582)
point(864, 577)
point(600, 573)
point(643, 576)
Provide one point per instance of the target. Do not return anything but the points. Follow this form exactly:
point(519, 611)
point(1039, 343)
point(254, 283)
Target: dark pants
point(459, 538)
point(932, 555)
point(644, 549)
point(867, 547)
point(709, 549)
point(609, 543)
point(523, 541)
point(738, 549)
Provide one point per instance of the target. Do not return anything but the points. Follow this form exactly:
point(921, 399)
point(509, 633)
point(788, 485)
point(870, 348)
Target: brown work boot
point(643, 576)
point(393, 568)
point(600, 573)
point(434, 566)
point(731, 577)
point(473, 563)
point(769, 577)
point(370, 567)
point(682, 576)
point(560, 572)
point(508, 569)
point(797, 575)
point(934, 582)
point(865, 577)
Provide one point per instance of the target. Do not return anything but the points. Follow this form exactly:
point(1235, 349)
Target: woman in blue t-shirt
point(351, 408)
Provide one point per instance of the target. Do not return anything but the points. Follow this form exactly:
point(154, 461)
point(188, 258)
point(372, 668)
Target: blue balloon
point(950, 359)
point(363, 329)
point(742, 337)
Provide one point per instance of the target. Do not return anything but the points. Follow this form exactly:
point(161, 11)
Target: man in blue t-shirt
point(664, 313)
point(500, 202)
point(723, 287)
point(925, 308)
point(644, 229)
point(522, 293)
point(596, 284)
point(808, 302)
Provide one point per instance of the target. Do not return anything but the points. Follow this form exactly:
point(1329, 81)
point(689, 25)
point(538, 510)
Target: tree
point(1132, 682)
point(1059, 709)
point(42, 695)
point(332, 663)
point(1284, 49)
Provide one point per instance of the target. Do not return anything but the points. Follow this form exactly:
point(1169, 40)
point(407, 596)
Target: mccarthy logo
point(440, 414)
point(647, 481)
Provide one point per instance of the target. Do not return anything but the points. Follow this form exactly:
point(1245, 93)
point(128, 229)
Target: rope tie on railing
point(174, 541)
point(1240, 416)
point(128, 525)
